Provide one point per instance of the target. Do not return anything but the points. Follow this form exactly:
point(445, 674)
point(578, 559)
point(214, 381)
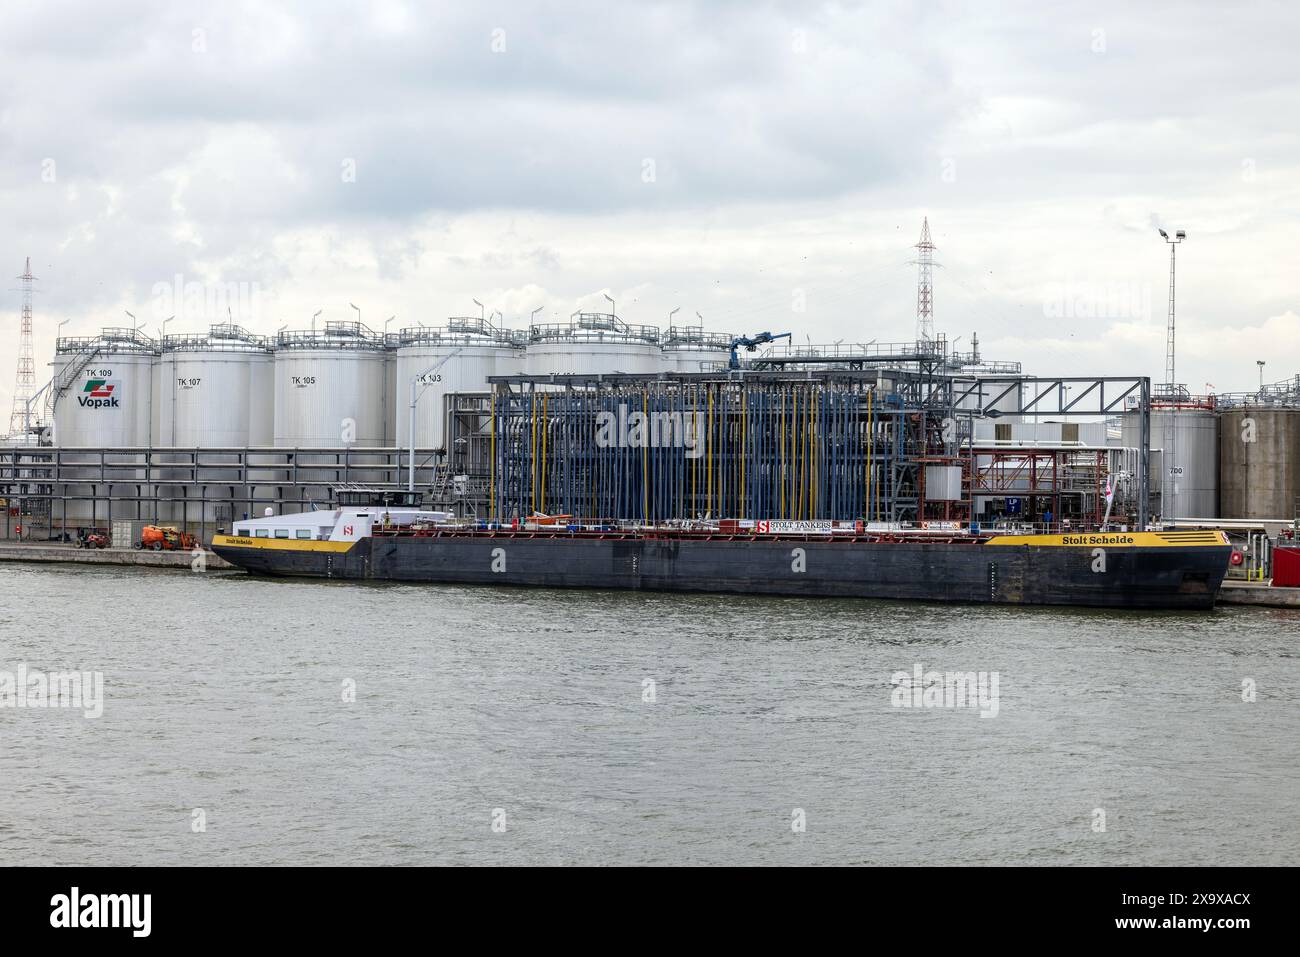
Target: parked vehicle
point(92, 540)
point(165, 538)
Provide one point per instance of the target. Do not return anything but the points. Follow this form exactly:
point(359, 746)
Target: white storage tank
point(211, 391)
point(476, 350)
point(331, 392)
point(330, 388)
point(691, 349)
point(1184, 458)
point(102, 396)
point(214, 390)
point(103, 389)
point(593, 344)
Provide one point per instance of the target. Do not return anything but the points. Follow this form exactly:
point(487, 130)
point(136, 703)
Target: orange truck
point(165, 537)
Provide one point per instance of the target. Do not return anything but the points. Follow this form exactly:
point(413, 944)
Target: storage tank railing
point(1284, 394)
point(109, 340)
point(897, 351)
point(1184, 401)
point(476, 325)
point(220, 338)
point(335, 335)
point(449, 334)
point(694, 337)
point(599, 320)
point(83, 349)
point(580, 332)
point(128, 339)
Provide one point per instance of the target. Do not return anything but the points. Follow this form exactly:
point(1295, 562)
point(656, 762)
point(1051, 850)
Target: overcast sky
point(741, 160)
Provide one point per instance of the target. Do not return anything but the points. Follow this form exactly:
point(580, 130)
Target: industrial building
point(201, 428)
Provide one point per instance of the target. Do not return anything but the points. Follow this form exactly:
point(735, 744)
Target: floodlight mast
point(1170, 455)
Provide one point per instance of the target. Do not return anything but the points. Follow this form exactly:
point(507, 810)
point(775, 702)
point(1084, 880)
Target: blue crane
point(752, 343)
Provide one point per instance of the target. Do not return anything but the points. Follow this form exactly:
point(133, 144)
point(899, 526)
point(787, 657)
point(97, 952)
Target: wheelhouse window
point(372, 497)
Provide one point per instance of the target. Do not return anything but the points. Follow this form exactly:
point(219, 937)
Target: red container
point(1286, 567)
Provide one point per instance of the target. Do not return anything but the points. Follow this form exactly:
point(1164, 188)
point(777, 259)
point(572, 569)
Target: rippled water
point(225, 693)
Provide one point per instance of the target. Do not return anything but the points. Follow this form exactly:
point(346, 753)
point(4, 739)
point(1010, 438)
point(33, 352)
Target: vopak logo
point(100, 394)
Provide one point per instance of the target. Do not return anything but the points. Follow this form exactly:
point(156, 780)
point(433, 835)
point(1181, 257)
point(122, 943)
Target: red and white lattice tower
point(925, 285)
point(25, 381)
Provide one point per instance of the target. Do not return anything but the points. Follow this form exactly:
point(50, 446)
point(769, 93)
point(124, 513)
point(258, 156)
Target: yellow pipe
point(533, 451)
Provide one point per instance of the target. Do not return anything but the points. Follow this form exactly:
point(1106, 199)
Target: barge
point(383, 535)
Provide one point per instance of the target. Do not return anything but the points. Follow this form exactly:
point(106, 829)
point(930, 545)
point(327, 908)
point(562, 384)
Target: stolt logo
point(100, 394)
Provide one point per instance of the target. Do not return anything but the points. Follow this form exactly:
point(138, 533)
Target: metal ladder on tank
point(65, 379)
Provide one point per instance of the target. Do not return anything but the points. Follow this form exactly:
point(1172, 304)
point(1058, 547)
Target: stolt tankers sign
point(100, 394)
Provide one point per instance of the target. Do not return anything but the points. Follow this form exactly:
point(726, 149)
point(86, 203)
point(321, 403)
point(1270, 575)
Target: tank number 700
point(302, 380)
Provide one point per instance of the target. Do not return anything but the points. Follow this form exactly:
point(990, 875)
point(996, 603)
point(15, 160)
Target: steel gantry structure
point(826, 443)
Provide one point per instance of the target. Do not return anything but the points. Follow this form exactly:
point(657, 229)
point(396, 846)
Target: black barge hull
point(1112, 576)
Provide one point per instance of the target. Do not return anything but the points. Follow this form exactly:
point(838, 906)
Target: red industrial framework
point(1039, 473)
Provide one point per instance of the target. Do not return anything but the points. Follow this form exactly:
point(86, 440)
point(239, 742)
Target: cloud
point(728, 158)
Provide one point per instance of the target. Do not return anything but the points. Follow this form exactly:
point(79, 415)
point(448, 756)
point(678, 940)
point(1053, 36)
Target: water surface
point(225, 693)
